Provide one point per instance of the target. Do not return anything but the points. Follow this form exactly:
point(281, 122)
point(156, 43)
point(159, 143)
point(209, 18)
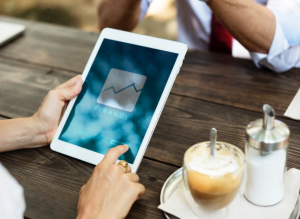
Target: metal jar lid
point(267, 134)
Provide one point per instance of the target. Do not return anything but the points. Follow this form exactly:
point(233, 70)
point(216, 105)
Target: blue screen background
point(97, 127)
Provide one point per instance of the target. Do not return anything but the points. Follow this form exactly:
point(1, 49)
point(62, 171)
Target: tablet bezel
point(135, 39)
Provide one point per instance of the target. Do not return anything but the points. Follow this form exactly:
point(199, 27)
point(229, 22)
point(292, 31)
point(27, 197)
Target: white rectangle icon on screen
point(121, 89)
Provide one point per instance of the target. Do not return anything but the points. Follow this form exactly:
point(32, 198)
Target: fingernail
point(77, 80)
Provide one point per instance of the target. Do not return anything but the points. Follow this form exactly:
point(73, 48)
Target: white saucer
point(173, 182)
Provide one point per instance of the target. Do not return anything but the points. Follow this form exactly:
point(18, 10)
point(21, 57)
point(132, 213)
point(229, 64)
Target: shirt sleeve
point(284, 53)
point(12, 202)
point(144, 8)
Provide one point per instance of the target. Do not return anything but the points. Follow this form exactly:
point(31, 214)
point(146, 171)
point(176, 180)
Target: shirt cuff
point(144, 8)
point(279, 45)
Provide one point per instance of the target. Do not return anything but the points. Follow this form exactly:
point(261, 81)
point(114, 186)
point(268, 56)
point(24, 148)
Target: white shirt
point(12, 202)
point(194, 25)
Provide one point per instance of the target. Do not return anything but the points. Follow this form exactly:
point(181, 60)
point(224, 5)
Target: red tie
point(220, 38)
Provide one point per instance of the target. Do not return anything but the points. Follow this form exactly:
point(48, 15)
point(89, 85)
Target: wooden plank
point(13, 78)
point(184, 121)
point(51, 45)
point(23, 87)
point(52, 181)
point(235, 82)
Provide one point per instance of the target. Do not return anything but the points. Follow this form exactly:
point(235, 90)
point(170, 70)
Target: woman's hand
point(111, 191)
point(53, 107)
point(39, 129)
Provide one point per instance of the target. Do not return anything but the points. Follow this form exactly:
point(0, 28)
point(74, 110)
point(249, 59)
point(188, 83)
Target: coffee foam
point(223, 163)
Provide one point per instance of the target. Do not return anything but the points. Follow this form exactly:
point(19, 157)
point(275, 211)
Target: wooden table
point(211, 90)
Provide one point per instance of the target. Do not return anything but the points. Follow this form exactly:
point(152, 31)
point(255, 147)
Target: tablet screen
point(118, 98)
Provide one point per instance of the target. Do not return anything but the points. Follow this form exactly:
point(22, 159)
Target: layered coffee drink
point(213, 182)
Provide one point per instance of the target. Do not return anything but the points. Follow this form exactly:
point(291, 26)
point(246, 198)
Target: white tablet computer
point(127, 81)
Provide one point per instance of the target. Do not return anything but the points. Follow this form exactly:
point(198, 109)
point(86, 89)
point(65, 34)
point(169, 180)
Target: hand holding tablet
point(126, 83)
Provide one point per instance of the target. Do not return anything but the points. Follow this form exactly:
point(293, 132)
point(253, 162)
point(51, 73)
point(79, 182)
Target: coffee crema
point(213, 182)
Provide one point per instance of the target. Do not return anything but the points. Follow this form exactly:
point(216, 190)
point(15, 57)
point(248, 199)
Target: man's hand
point(119, 14)
point(53, 107)
point(252, 24)
point(110, 192)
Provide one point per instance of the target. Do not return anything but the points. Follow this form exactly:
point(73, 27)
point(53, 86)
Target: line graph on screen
point(131, 85)
point(122, 89)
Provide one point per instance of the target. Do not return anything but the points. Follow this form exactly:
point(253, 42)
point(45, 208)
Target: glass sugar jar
point(266, 155)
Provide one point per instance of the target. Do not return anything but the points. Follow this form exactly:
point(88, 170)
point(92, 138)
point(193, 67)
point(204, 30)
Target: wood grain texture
point(23, 87)
point(52, 181)
point(206, 76)
point(235, 82)
point(51, 45)
point(184, 121)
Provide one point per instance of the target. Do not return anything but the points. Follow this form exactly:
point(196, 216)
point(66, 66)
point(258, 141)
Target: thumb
point(72, 90)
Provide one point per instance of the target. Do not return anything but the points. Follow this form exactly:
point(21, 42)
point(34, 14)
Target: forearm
point(119, 14)
point(252, 24)
point(20, 133)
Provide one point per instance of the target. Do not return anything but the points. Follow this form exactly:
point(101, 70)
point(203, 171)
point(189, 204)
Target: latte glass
point(212, 183)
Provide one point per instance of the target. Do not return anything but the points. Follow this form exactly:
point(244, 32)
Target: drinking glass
point(211, 185)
